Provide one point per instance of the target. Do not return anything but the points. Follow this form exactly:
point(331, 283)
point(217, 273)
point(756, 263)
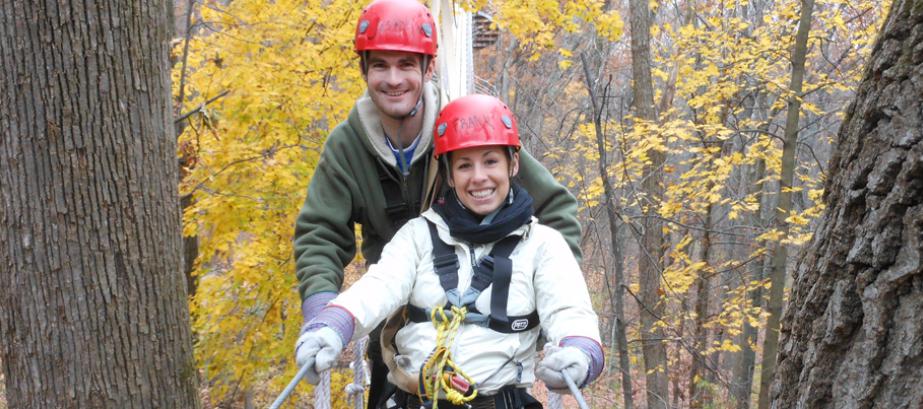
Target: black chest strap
point(398, 208)
point(496, 268)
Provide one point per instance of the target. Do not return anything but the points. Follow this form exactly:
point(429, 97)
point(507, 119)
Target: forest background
point(258, 86)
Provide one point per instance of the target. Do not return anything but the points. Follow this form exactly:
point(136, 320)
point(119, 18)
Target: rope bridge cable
point(322, 392)
point(555, 401)
point(355, 392)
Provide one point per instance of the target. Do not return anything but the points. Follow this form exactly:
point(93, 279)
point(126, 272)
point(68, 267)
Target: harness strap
point(513, 324)
point(496, 268)
point(508, 397)
point(502, 272)
point(445, 262)
point(398, 209)
point(485, 272)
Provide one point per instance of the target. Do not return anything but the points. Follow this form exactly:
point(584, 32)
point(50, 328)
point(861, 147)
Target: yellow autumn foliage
point(287, 72)
point(266, 82)
point(720, 66)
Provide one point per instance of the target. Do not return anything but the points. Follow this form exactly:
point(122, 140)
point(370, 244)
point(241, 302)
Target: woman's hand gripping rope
point(435, 376)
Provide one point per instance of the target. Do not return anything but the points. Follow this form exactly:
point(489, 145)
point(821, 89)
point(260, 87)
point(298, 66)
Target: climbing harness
point(440, 376)
point(496, 269)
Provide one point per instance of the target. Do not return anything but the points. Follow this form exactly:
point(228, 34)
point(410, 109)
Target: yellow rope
point(435, 376)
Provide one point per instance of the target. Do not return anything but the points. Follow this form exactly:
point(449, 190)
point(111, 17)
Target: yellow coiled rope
point(439, 369)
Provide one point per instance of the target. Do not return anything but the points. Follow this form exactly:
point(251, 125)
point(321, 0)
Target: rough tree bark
point(93, 309)
point(650, 262)
point(852, 334)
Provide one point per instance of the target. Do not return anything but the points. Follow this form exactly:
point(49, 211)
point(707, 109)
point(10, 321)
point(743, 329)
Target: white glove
point(318, 348)
point(557, 360)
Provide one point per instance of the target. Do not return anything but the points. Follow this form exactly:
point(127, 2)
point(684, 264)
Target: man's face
point(395, 80)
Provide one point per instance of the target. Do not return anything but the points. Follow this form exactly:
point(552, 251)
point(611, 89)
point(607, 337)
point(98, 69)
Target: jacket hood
point(366, 118)
point(446, 236)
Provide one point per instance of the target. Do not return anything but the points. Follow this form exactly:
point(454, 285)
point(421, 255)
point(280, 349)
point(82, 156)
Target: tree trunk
point(650, 264)
point(621, 340)
point(650, 261)
point(851, 335)
point(699, 393)
point(187, 157)
point(780, 256)
point(742, 379)
point(93, 311)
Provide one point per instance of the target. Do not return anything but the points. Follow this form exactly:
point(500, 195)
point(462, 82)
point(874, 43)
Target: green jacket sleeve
point(325, 238)
point(554, 205)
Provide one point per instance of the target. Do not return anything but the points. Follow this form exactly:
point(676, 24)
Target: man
point(377, 168)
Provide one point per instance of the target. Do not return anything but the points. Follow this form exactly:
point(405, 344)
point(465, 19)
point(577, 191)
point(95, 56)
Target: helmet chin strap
point(405, 164)
point(416, 107)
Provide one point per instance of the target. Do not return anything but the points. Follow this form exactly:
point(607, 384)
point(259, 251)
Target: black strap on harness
point(508, 397)
point(398, 209)
point(495, 268)
point(445, 262)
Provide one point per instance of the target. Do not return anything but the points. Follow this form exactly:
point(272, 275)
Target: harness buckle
point(395, 210)
point(454, 299)
point(444, 261)
point(477, 318)
point(487, 262)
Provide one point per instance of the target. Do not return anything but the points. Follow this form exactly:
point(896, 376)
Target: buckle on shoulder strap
point(444, 261)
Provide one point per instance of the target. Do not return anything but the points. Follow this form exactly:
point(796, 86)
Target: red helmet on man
point(473, 121)
point(396, 25)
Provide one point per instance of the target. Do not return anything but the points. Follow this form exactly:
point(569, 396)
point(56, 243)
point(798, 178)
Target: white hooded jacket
point(545, 277)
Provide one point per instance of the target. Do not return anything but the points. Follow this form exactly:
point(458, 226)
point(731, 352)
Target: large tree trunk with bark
point(93, 309)
point(852, 335)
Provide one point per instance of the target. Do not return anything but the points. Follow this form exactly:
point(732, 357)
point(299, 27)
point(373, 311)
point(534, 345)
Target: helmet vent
point(427, 30)
point(507, 122)
point(441, 129)
point(363, 25)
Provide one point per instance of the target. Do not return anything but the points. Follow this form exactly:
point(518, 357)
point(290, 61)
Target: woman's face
point(481, 177)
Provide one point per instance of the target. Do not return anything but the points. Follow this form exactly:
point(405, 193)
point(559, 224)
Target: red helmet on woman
point(396, 25)
point(472, 121)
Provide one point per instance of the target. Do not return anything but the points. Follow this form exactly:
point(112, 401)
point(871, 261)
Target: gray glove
point(318, 348)
point(557, 360)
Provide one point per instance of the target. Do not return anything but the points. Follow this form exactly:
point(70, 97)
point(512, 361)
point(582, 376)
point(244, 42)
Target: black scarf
point(467, 226)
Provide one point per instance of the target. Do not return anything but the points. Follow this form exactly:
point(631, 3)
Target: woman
point(479, 277)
